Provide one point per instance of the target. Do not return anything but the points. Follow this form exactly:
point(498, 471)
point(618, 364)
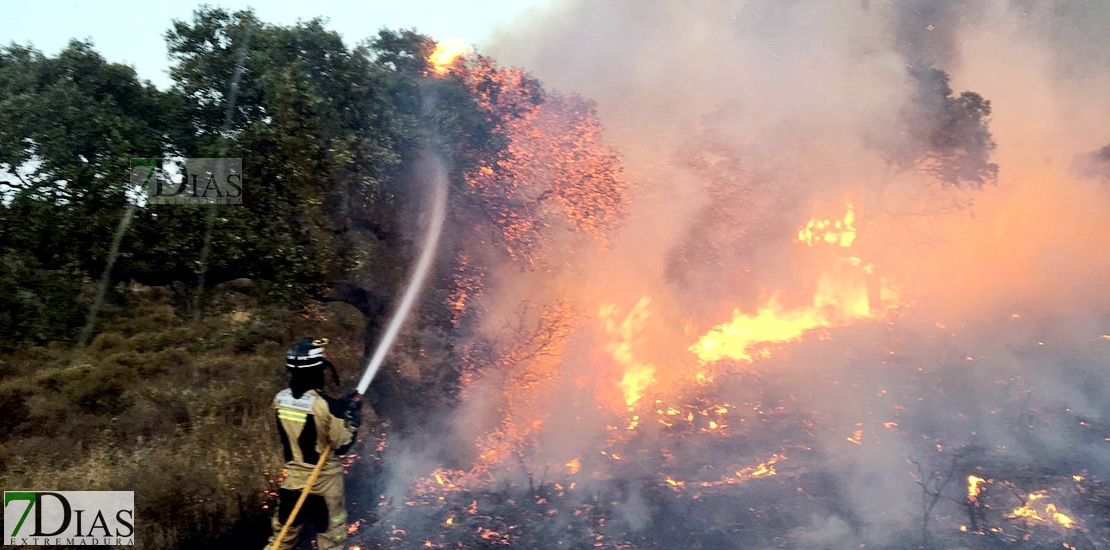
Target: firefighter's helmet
point(306, 362)
point(308, 353)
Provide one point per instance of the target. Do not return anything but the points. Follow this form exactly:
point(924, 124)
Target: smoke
point(736, 119)
point(739, 120)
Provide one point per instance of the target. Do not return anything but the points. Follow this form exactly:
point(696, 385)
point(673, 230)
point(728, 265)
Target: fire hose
point(304, 496)
point(420, 273)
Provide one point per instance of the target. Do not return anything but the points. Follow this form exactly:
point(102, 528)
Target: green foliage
point(315, 126)
point(69, 125)
point(324, 132)
point(38, 304)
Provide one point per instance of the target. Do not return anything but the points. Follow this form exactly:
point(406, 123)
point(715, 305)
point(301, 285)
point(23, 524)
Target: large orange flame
point(841, 298)
point(446, 53)
point(846, 292)
point(974, 487)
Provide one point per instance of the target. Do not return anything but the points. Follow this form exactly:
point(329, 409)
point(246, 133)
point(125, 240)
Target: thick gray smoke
point(740, 120)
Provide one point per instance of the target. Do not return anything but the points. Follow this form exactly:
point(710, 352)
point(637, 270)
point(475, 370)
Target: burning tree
point(722, 447)
point(747, 434)
point(552, 168)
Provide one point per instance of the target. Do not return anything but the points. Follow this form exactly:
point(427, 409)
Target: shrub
point(102, 391)
point(167, 361)
point(177, 411)
point(13, 408)
point(106, 342)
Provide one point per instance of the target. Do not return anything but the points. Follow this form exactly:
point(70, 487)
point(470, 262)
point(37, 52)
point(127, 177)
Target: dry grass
point(178, 412)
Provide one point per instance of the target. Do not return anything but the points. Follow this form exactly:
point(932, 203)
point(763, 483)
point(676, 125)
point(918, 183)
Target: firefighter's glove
point(353, 414)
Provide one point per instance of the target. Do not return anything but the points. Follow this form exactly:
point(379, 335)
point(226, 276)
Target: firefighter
point(308, 422)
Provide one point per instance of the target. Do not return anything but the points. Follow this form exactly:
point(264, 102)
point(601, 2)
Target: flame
point(574, 466)
point(446, 53)
point(973, 487)
point(1024, 512)
point(841, 298)
point(840, 232)
point(747, 337)
point(1027, 511)
point(763, 469)
point(1060, 518)
point(747, 473)
point(857, 437)
point(637, 376)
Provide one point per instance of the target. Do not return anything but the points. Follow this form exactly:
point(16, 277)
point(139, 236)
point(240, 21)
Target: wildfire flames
point(1029, 510)
point(974, 487)
point(675, 416)
point(842, 297)
point(840, 232)
point(624, 334)
point(614, 403)
point(446, 53)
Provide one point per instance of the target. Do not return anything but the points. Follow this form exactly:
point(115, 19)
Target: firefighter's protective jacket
point(307, 425)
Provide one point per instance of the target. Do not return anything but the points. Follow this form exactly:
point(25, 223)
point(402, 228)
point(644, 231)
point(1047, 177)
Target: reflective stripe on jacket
point(307, 425)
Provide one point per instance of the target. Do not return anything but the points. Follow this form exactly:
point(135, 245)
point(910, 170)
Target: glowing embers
point(446, 53)
point(574, 466)
point(765, 468)
point(693, 417)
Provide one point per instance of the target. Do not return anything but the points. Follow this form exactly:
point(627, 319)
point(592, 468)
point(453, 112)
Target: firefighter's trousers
point(324, 508)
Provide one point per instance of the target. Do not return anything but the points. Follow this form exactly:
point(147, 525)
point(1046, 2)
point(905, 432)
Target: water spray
point(419, 275)
point(437, 175)
point(423, 266)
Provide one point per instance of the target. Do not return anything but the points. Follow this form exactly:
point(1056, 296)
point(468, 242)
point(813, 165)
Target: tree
point(314, 125)
point(554, 166)
point(947, 136)
point(68, 125)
